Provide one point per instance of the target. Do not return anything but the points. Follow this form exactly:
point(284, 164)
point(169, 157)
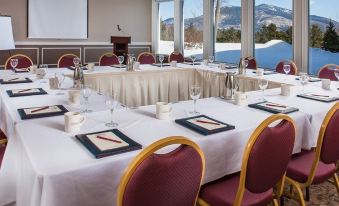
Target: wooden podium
point(120, 45)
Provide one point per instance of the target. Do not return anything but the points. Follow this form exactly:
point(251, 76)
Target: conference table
point(43, 165)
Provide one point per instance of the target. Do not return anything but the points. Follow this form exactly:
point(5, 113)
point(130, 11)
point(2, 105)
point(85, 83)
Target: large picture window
point(193, 27)
point(166, 15)
point(323, 34)
point(273, 24)
point(227, 30)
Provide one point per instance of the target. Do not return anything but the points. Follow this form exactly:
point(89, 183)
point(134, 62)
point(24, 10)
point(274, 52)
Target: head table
point(43, 165)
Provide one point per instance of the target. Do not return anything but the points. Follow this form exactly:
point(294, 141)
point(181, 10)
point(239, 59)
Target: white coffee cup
point(222, 66)
point(174, 63)
point(73, 121)
point(74, 97)
point(205, 62)
point(90, 67)
point(136, 66)
point(326, 84)
point(285, 90)
point(163, 110)
point(53, 83)
point(260, 72)
point(240, 99)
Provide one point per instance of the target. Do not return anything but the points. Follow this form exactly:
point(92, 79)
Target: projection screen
point(58, 19)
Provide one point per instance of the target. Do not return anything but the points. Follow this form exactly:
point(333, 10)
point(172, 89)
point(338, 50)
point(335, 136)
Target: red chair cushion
point(108, 60)
point(177, 57)
point(299, 168)
point(146, 59)
point(223, 192)
point(2, 153)
point(166, 180)
point(66, 61)
point(327, 73)
point(23, 62)
point(330, 146)
point(280, 68)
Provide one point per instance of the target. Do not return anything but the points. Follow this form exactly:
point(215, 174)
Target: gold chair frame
point(254, 137)
point(151, 150)
point(298, 185)
point(74, 56)
point(148, 54)
point(18, 55)
point(108, 54)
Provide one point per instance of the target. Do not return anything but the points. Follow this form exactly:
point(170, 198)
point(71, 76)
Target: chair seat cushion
point(299, 168)
point(223, 192)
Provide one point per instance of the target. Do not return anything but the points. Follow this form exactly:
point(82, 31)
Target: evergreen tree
point(316, 36)
point(331, 39)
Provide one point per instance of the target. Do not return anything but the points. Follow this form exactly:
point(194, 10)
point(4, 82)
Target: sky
point(192, 8)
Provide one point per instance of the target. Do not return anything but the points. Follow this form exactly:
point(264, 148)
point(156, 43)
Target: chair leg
point(299, 192)
point(275, 202)
point(336, 181)
point(307, 193)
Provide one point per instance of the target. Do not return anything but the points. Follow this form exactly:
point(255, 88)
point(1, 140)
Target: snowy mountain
point(264, 15)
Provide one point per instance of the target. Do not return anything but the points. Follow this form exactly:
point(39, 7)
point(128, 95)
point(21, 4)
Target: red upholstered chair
point(327, 72)
point(264, 165)
point(280, 67)
point(66, 60)
point(108, 59)
point(252, 63)
point(319, 165)
point(2, 153)
point(23, 61)
point(146, 58)
point(175, 56)
point(163, 179)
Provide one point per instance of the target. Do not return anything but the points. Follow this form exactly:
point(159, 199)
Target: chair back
point(327, 72)
point(329, 133)
point(108, 59)
point(66, 60)
point(280, 67)
point(267, 154)
point(176, 56)
point(163, 179)
point(23, 61)
point(146, 58)
point(252, 63)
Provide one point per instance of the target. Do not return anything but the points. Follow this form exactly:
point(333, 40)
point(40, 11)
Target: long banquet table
point(43, 165)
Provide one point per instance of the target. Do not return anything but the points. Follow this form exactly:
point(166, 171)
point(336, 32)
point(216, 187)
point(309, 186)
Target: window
point(166, 15)
point(227, 30)
point(323, 34)
point(193, 28)
point(273, 22)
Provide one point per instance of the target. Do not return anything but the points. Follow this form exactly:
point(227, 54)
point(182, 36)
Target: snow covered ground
point(267, 55)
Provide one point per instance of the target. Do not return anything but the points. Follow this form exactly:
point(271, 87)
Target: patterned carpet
point(321, 195)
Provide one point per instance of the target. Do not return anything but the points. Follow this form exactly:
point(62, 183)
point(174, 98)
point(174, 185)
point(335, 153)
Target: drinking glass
point(61, 77)
point(111, 104)
point(287, 69)
point(336, 73)
point(86, 92)
point(161, 59)
point(121, 60)
point(193, 57)
point(195, 92)
point(263, 83)
point(76, 61)
point(303, 79)
point(211, 59)
point(14, 63)
point(44, 67)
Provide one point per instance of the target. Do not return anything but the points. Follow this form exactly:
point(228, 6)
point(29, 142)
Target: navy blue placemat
point(278, 109)
point(24, 116)
point(320, 98)
point(27, 80)
point(41, 92)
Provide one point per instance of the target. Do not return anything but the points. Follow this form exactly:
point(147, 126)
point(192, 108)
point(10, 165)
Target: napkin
point(103, 144)
point(50, 109)
point(206, 125)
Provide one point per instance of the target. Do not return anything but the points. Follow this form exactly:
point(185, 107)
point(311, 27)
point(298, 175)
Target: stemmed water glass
point(263, 83)
point(121, 60)
point(60, 77)
point(76, 61)
point(111, 104)
point(195, 92)
point(161, 59)
point(211, 59)
point(336, 73)
point(193, 57)
point(303, 79)
point(287, 69)
point(86, 92)
point(14, 63)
